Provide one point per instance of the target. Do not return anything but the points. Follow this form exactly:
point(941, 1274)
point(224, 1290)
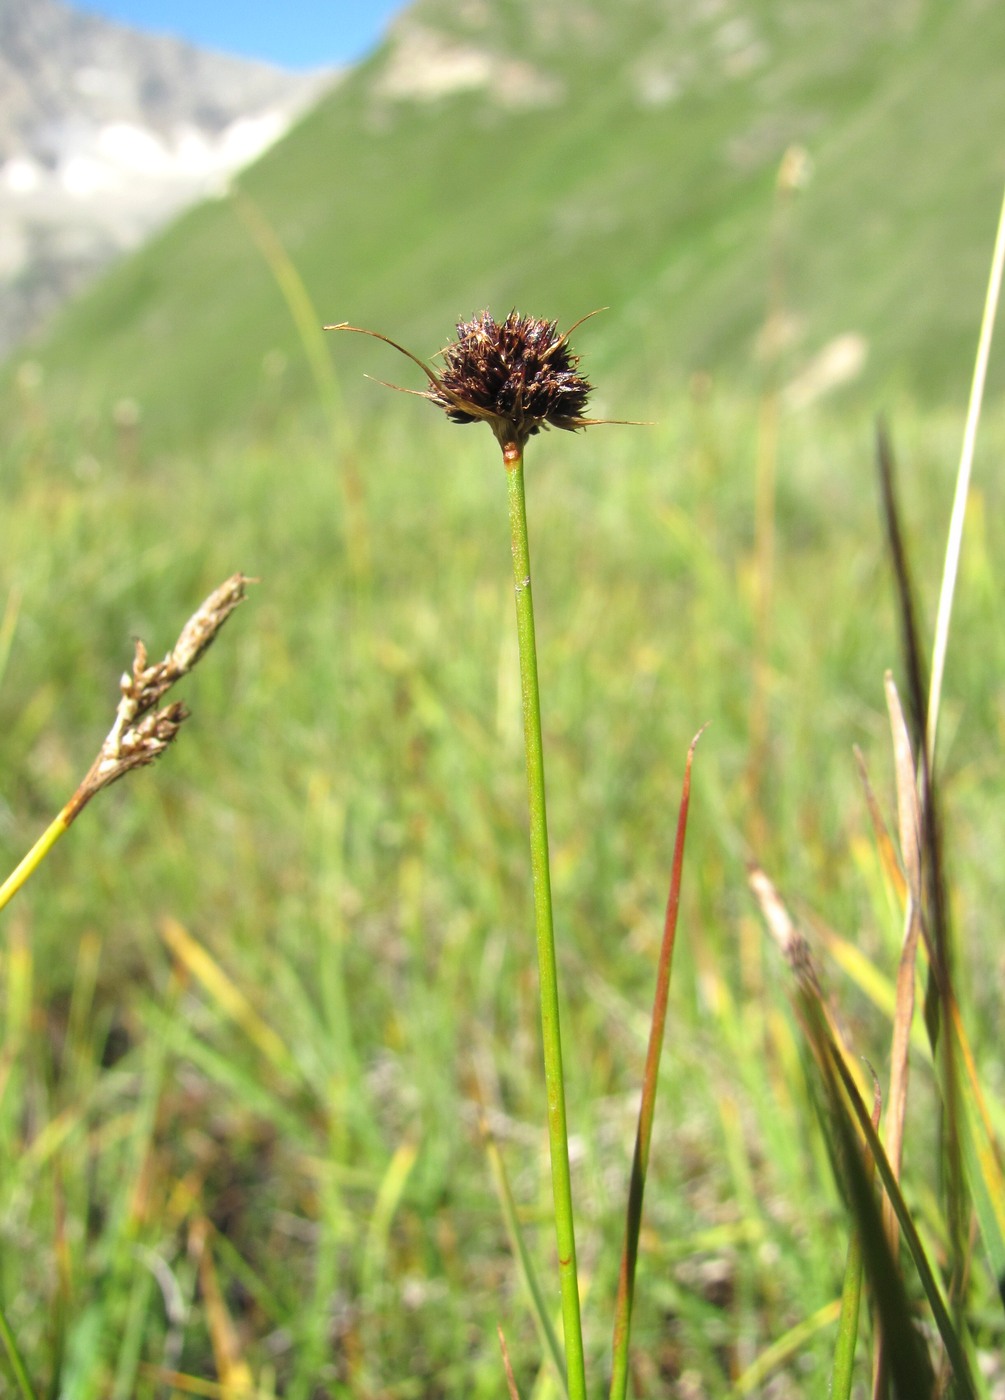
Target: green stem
point(541, 871)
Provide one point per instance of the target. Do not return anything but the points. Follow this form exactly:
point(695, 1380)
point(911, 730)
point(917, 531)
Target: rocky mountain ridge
point(106, 132)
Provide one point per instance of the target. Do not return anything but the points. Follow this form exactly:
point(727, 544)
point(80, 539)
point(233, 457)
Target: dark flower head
point(518, 374)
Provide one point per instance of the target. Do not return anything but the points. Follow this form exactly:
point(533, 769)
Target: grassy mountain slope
point(604, 154)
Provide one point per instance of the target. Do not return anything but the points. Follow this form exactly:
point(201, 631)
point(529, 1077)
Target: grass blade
point(843, 1367)
point(983, 1166)
point(905, 1356)
point(873, 1236)
point(546, 1332)
point(236, 1381)
point(832, 1059)
point(954, 542)
point(932, 878)
point(226, 995)
point(514, 1394)
point(647, 1107)
point(14, 1358)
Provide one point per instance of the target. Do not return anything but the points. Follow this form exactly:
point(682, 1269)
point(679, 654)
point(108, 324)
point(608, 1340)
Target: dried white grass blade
point(959, 511)
point(908, 807)
point(909, 821)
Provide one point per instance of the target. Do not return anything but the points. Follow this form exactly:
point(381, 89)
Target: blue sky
point(294, 33)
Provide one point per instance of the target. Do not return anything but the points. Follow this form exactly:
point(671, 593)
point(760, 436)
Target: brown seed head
point(519, 375)
point(141, 731)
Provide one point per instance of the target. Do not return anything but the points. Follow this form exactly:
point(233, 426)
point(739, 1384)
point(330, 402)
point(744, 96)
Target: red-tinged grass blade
point(514, 1394)
point(643, 1136)
point(535, 1298)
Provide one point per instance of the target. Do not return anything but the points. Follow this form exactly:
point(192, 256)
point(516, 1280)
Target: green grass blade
point(14, 1358)
point(535, 1298)
point(983, 1169)
point(872, 1227)
point(842, 1372)
point(905, 1353)
point(751, 1380)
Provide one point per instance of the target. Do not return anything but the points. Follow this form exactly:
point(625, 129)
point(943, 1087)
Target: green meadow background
point(255, 1005)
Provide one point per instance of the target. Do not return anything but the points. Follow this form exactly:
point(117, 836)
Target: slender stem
point(35, 856)
point(541, 871)
point(955, 541)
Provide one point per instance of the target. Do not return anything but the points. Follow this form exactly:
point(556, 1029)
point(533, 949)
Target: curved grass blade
point(751, 1381)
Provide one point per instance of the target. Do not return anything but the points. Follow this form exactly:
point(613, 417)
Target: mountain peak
point(105, 133)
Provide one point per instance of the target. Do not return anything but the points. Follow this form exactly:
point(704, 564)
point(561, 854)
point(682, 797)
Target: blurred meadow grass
point(249, 1010)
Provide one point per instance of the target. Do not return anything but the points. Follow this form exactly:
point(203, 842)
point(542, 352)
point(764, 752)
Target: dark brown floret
point(518, 374)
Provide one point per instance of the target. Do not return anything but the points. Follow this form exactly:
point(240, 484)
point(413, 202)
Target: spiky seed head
point(519, 375)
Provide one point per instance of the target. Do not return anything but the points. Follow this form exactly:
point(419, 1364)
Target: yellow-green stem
point(541, 871)
point(36, 855)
